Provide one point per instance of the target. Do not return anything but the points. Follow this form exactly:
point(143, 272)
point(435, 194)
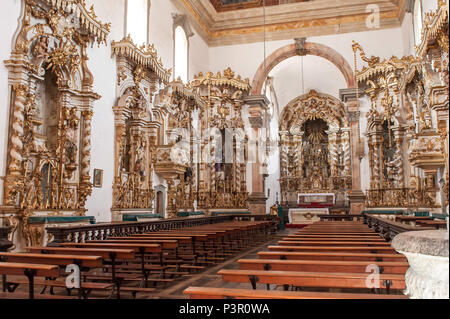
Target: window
point(418, 21)
point(137, 20)
point(181, 55)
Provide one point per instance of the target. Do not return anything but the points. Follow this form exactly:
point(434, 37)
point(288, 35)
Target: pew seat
point(311, 279)
point(322, 265)
point(87, 287)
point(227, 293)
point(21, 295)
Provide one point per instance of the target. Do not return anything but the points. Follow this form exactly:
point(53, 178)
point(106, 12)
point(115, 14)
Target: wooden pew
point(30, 271)
point(334, 239)
point(109, 256)
point(85, 262)
point(283, 255)
point(323, 265)
point(141, 249)
point(354, 249)
point(311, 279)
point(227, 293)
point(332, 243)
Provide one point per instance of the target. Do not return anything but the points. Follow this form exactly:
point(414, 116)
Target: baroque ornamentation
point(314, 147)
point(405, 143)
point(52, 87)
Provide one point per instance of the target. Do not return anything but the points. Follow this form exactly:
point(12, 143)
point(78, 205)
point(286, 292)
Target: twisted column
point(86, 149)
point(347, 154)
point(17, 129)
point(332, 149)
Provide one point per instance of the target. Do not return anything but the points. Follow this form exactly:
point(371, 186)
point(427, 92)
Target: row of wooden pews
point(125, 264)
point(338, 257)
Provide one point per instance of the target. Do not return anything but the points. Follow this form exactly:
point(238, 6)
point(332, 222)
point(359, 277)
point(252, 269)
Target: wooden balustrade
point(102, 231)
point(388, 228)
point(346, 217)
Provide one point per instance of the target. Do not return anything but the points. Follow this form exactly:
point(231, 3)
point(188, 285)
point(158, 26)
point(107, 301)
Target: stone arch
point(290, 50)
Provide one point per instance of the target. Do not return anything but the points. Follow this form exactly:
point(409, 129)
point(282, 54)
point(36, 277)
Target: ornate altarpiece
point(52, 101)
point(139, 75)
point(314, 147)
point(222, 182)
point(408, 120)
point(177, 109)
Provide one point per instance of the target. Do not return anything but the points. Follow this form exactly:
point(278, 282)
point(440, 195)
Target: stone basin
point(428, 256)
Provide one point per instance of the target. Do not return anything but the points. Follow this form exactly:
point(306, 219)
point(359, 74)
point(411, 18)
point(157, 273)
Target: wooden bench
point(332, 239)
point(110, 256)
point(84, 290)
point(283, 255)
point(332, 243)
point(354, 249)
point(141, 249)
point(28, 270)
point(21, 295)
point(227, 293)
point(390, 267)
point(311, 279)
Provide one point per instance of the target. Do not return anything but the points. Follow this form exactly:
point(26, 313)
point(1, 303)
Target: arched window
point(418, 21)
point(136, 23)
point(181, 55)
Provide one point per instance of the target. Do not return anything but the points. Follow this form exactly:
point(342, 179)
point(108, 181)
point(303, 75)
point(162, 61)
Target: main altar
point(311, 205)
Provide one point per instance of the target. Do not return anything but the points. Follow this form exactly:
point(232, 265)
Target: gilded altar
point(315, 152)
point(51, 108)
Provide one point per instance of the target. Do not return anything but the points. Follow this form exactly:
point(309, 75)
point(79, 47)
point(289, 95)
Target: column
point(257, 198)
point(356, 196)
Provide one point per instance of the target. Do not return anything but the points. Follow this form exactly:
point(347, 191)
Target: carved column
point(356, 196)
point(298, 147)
point(16, 148)
point(257, 199)
point(86, 151)
point(399, 161)
point(332, 148)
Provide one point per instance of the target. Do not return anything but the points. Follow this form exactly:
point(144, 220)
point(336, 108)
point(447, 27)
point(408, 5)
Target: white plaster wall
point(408, 35)
point(273, 166)
point(364, 106)
point(161, 34)
point(245, 59)
point(9, 18)
point(318, 74)
point(103, 67)
point(429, 5)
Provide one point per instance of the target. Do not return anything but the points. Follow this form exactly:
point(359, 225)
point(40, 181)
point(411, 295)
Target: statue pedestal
point(427, 254)
point(357, 201)
point(257, 203)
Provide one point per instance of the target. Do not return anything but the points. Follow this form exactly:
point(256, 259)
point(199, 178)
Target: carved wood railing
point(346, 217)
point(102, 231)
point(388, 228)
point(400, 197)
point(4, 241)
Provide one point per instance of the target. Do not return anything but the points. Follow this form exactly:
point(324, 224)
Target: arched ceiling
point(227, 22)
point(229, 5)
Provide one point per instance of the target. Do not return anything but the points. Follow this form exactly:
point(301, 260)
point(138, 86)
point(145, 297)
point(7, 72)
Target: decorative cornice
point(376, 66)
point(435, 25)
point(187, 92)
point(145, 56)
point(228, 78)
point(88, 19)
point(286, 21)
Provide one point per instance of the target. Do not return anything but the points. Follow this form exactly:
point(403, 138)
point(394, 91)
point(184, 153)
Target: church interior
point(224, 149)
